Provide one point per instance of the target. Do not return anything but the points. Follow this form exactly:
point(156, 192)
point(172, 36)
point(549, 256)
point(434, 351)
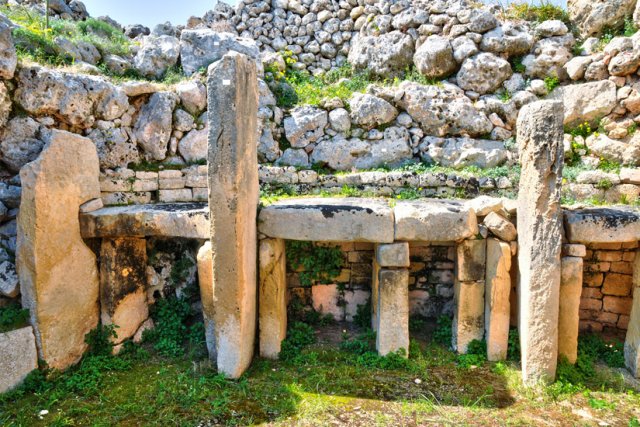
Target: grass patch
point(545, 11)
point(13, 316)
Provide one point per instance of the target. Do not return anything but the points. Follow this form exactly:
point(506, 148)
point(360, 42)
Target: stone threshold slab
point(186, 220)
point(602, 225)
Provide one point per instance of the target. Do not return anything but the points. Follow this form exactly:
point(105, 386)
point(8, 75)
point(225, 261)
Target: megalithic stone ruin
point(233, 206)
point(632, 342)
point(540, 141)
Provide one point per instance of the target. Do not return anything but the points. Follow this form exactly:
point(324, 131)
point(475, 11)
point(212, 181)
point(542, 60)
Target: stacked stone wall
point(607, 293)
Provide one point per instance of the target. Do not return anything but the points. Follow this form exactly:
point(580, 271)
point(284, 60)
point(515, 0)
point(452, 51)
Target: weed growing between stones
point(544, 11)
point(315, 264)
point(13, 316)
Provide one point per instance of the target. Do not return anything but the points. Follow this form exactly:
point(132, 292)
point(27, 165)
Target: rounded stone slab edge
point(602, 225)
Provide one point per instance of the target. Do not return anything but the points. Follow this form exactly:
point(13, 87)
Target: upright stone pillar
point(205, 280)
point(123, 296)
point(58, 272)
point(497, 293)
point(632, 343)
point(468, 317)
point(390, 297)
point(540, 140)
point(569, 312)
point(233, 205)
point(272, 297)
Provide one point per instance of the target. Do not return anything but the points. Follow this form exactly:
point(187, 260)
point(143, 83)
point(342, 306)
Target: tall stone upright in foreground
point(58, 272)
point(233, 205)
point(540, 138)
point(632, 342)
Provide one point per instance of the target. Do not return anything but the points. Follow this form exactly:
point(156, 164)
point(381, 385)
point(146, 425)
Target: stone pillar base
point(569, 315)
point(392, 321)
point(272, 297)
point(497, 305)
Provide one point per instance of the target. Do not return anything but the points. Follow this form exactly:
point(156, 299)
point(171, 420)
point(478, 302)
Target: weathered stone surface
point(154, 125)
point(58, 272)
point(193, 147)
point(511, 38)
point(193, 96)
point(201, 47)
point(187, 220)
point(392, 314)
point(20, 143)
point(114, 148)
point(370, 111)
point(483, 73)
point(157, 55)
point(75, 99)
point(632, 341)
point(540, 140)
point(602, 225)
point(123, 297)
point(468, 314)
point(205, 281)
point(497, 308)
point(569, 314)
point(592, 18)
point(463, 152)
point(434, 58)
point(472, 257)
point(8, 55)
point(385, 55)
point(325, 219)
point(18, 357)
point(9, 284)
point(434, 221)
point(272, 297)
point(611, 149)
point(325, 300)
point(305, 125)
point(586, 102)
point(233, 205)
point(500, 227)
point(393, 255)
point(574, 250)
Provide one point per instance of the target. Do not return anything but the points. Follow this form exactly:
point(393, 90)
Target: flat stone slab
point(187, 220)
point(18, 357)
point(602, 225)
point(434, 221)
point(328, 220)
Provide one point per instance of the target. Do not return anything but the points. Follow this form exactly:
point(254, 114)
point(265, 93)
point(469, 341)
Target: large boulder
point(193, 147)
point(385, 55)
point(483, 73)
point(114, 148)
point(509, 39)
point(442, 110)
point(20, 143)
point(586, 102)
point(463, 152)
point(153, 127)
point(370, 111)
point(8, 56)
point(434, 58)
point(339, 153)
point(614, 150)
point(305, 125)
point(392, 150)
point(202, 47)
point(549, 57)
point(157, 55)
point(193, 96)
point(592, 17)
point(74, 99)
point(57, 270)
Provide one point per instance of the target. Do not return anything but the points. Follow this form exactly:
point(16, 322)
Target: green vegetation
point(13, 317)
point(551, 82)
point(544, 11)
point(315, 264)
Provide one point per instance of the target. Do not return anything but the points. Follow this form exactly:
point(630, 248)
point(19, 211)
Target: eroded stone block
point(393, 255)
point(468, 315)
point(205, 280)
point(497, 294)
point(434, 221)
point(18, 357)
point(472, 255)
point(392, 332)
point(569, 315)
point(272, 297)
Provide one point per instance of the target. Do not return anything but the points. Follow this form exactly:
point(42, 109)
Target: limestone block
point(233, 205)
point(392, 331)
point(18, 357)
point(272, 297)
point(58, 272)
point(632, 342)
point(205, 280)
point(325, 219)
point(173, 196)
point(540, 141)
point(353, 299)
point(375, 284)
point(123, 297)
point(602, 225)
point(468, 315)
point(187, 220)
point(574, 250)
point(472, 255)
point(500, 227)
point(393, 255)
point(497, 309)
point(326, 300)
point(569, 314)
point(434, 221)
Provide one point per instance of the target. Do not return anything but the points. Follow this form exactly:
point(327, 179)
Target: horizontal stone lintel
point(602, 225)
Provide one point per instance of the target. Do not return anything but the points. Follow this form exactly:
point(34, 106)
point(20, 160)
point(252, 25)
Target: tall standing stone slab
point(632, 342)
point(205, 280)
point(540, 139)
point(233, 204)
point(392, 331)
point(469, 289)
point(272, 297)
point(58, 272)
point(123, 278)
point(569, 314)
point(497, 309)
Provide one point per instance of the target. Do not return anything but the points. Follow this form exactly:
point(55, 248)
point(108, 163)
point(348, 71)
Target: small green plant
point(505, 96)
point(362, 317)
point(409, 193)
point(100, 340)
point(13, 316)
point(630, 27)
point(517, 65)
point(600, 404)
point(476, 354)
point(609, 166)
point(544, 11)
point(583, 129)
point(551, 82)
point(170, 317)
point(315, 264)
point(444, 331)
point(395, 360)
point(513, 346)
point(417, 323)
point(360, 345)
point(633, 127)
point(299, 336)
point(634, 422)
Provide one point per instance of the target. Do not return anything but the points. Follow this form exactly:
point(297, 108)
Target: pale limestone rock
point(154, 125)
point(483, 73)
point(193, 96)
point(193, 147)
point(591, 18)
point(18, 357)
point(468, 315)
point(205, 281)
point(586, 102)
point(569, 315)
point(58, 272)
point(233, 204)
point(434, 221)
point(272, 297)
point(434, 58)
point(123, 298)
point(632, 341)
point(370, 111)
point(602, 225)
point(471, 256)
point(574, 250)
point(497, 299)
point(392, 314)
point(201, 47)
point(540, 139)
point(8, 55)
point(305, 125)
point(393, 254)
point(385, 55)
point(157, 55)
point(500, 227)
